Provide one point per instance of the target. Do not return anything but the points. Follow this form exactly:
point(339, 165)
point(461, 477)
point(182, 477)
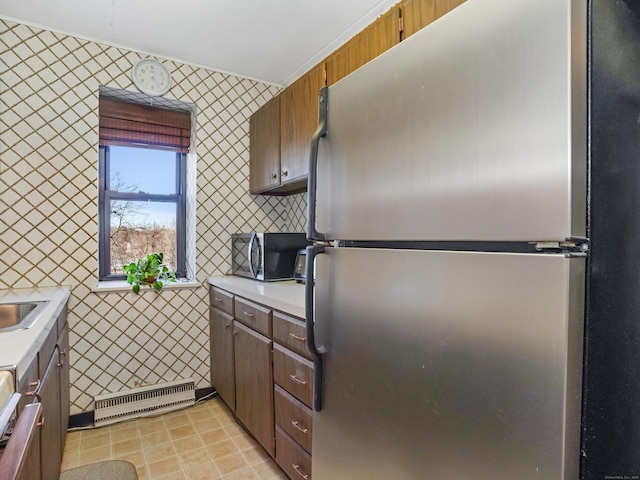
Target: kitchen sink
point(19, 315)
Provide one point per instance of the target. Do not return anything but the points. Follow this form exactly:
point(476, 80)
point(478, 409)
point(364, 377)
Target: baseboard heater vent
point(143, 401)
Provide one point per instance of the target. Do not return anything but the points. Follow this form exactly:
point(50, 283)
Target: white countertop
point(286, 296)
point(19, 347)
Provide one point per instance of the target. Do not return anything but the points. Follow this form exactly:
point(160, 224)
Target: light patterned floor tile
point(202, 442)
point(230, 463)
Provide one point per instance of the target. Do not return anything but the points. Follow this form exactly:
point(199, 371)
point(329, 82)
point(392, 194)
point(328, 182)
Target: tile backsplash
point(48, 197)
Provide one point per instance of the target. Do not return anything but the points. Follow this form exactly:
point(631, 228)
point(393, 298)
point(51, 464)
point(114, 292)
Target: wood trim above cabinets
point(417, 14)
point(375, 39)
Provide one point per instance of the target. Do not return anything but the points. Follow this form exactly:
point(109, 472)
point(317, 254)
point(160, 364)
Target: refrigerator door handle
point(250, 254)
point(312, 182)
point(312, 251)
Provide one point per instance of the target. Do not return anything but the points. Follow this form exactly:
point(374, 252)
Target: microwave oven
point(265, 256)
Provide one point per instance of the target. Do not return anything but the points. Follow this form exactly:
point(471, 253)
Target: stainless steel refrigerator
point(452, 195)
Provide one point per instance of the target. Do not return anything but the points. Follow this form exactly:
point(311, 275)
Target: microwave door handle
point(249, 254)
point(312, 180)
point(312, 251)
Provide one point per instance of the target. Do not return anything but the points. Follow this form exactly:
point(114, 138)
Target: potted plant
point(150, 271)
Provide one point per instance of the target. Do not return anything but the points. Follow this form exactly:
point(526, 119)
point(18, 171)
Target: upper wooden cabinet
point(280, 136)
point(375, 39)
point(417, 14)
point(298, 121)
point(264, 147)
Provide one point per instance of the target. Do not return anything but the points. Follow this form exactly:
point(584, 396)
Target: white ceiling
point(274, 41)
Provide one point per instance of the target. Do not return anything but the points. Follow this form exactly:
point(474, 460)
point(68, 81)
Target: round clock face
point(151, 77)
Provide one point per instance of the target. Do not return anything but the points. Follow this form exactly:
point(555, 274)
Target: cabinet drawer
point(221, 300)
point(293, 373)
point(28, 384)
point(291, 457)
point(291, 332)
point(294, 417)
point(253, 315)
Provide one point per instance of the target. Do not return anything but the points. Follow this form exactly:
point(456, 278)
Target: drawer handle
point(299, 472)
point(296, 337)
point(298, 427)
point(250, 315)
point(217, 299)
point(297, 380)
point(33, 392)
point(228, 325)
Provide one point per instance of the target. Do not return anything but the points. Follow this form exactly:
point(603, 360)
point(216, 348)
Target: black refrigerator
point(474, 199)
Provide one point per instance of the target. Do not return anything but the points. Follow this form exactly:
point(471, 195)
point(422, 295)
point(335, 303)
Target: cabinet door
point(254, 384)
point(63, 366)
point(298, 121)
point(221, 343)
point(264, 147)
point(377, 38)
point(20, 458)
point(51, 453)
point(32, 468)
point(417, 14)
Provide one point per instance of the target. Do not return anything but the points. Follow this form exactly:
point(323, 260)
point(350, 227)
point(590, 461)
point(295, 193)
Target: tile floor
point(202, 442)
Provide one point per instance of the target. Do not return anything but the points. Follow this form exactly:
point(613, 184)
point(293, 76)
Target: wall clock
point(151, 77)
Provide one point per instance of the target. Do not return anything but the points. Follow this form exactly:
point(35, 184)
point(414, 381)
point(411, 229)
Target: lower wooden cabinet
point(254, 384)
point(47, 381)
point(261, 367)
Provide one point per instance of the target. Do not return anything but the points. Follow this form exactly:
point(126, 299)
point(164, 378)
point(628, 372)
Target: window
point(142, 175)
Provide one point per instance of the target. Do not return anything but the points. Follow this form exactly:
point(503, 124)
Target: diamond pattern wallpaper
point(48, 204)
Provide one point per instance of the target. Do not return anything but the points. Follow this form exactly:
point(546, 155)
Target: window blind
point(128, 124)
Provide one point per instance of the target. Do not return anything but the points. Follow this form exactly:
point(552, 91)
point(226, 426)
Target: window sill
point(123, 286)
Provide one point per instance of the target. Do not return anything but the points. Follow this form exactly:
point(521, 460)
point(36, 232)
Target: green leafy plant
point(150, 271)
